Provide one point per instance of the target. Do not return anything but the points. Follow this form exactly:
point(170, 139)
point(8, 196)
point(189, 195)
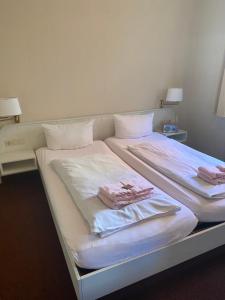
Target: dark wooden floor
point(32, 265)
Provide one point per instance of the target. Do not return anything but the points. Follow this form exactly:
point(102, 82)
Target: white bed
point(92, 252)
point(96, 284)
point(205, 210)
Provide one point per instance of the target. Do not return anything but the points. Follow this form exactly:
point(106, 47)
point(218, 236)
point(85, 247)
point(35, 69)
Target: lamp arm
point(16, 118)
point(5, 118)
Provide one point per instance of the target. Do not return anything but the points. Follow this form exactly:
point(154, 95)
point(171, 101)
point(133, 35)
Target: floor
point(32, 265)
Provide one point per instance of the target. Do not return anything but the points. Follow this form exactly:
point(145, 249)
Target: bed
point(205, 210)
point(93, 284)
point(90, 251)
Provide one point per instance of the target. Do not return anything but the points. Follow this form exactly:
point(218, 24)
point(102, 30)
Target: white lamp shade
point(9, 107)
point(174, 95)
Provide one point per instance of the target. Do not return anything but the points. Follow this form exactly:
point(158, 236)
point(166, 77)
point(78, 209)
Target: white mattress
point(92, 252)
point(206, 210)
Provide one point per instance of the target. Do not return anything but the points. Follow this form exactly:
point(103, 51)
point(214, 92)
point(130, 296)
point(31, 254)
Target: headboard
point(30, 135)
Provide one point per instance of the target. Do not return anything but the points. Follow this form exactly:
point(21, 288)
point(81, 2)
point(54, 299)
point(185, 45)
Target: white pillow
point(133, 126)
point(69, 136)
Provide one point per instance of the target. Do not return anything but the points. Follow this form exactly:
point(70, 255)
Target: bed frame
point(104, 281)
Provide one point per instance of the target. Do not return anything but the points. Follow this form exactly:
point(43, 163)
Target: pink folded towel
point(126, 196)
point(125, 192)
point(126, 189)
point(120, 204)
point(208, 179)
point(212, 172)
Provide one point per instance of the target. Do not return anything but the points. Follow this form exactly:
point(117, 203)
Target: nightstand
point(180, 135)
point(17, 162)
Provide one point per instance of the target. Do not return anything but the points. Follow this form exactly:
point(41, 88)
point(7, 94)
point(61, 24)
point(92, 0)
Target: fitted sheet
point(92, 252)
point(206, 210)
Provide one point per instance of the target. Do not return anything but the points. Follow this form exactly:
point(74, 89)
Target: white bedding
point(206, 210)
point(83, 176)
point(90, 251)
point(180, 163)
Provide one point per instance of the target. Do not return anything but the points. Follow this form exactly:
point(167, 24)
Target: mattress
point(206, 210)
point(90, 251)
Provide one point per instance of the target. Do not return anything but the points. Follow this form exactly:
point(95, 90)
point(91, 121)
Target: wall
point(204, 73)
point(78, 57)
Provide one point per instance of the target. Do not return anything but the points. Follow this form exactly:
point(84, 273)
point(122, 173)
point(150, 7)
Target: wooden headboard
point(30, 135)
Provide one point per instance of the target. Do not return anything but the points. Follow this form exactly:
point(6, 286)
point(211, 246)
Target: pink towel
point(208, 179)
point(120, 204)
point(126, 189)
point(127, 195)
point(125, 192)
point(212, 172)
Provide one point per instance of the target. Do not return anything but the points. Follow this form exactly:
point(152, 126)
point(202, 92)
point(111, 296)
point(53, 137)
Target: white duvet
point(179, 163)
point(84, 175)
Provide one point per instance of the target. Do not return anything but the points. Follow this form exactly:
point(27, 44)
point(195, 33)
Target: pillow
point(68, 136)
point(133, 126)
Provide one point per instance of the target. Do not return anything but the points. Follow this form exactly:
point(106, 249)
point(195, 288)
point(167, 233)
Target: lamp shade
point(9, 107)
point(174, 95)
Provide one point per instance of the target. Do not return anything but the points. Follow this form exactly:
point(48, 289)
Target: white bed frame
point(98, 283)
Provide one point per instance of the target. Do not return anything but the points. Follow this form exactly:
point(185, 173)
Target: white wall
point(67, 58)
point(79, 57)
point(204, 73)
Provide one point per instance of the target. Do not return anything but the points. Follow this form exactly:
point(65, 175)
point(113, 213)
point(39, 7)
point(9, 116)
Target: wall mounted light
point(174, 96)
point(10, 108)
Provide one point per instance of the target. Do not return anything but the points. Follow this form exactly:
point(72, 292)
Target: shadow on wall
point(205, 66)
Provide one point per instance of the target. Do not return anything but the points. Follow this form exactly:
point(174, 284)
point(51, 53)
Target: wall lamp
point(10, 108)
point(174, 96)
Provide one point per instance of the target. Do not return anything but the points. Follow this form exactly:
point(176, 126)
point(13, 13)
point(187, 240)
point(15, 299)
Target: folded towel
point(125, 197)
point(126, 190)
point(120, 204)
point(210, 180)
point(212, 172)
point(221, 168)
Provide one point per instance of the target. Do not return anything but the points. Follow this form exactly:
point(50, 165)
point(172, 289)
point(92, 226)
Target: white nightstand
point(180, 135)
point(17, 162)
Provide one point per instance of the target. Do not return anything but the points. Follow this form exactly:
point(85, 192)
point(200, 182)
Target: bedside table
point(17, 162)
point(179, 136)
